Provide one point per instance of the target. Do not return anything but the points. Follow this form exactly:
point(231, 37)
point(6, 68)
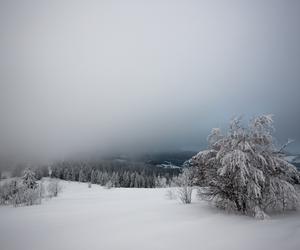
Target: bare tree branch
point(285, 145)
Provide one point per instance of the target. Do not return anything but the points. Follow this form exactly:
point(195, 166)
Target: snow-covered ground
point(137, 219)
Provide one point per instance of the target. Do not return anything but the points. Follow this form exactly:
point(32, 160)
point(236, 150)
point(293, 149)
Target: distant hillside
point(175, 158)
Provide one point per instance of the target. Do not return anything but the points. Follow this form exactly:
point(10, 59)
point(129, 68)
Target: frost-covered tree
point(104, 178)
point(185, 186)
point(94, 175)
point(126, 179)
point(73, 175)
point(82, 177)
point(114, 179)
point(67, 174)
point(29, 179)
point(99, 177)
point(243, 171)
point(54, 187)
point(133, 180)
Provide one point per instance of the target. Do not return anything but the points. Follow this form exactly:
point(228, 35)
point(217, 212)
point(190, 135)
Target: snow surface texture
point(137, 219)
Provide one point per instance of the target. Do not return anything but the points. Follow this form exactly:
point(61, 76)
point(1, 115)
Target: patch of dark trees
point(115, 173)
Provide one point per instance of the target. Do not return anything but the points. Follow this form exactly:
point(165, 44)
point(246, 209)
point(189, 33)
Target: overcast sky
point(94, 76)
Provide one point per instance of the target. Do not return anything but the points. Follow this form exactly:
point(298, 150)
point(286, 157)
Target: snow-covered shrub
point(242, 170)
point(16, 193)
point(160, 182)
point(185, 186)
point(171, 194)
point(6, 192)
point(109, 184)
point(26, 196)
point(54, 187)
point(41, 188)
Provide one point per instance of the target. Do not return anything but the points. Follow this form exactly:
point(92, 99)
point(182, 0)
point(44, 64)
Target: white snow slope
point(137, 219)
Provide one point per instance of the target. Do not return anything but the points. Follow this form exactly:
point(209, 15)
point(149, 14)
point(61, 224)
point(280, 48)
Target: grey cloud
point(82, 76)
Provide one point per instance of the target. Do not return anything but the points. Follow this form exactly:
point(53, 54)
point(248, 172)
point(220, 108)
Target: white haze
point(87, 77)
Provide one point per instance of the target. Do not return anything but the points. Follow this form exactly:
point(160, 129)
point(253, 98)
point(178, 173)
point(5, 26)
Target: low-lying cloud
point(82, 77)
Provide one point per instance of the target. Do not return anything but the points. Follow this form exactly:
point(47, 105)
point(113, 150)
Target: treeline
point(114, 173)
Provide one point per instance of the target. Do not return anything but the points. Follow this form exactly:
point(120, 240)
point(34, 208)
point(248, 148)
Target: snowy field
point(137, 219)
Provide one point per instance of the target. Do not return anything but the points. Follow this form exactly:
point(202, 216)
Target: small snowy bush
point(109, 184)
point(54, 187)
point(26, 196)
point(185, 189)
point(7, 191)
point(171, 194)
point(243, 171)
point(161, 182)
